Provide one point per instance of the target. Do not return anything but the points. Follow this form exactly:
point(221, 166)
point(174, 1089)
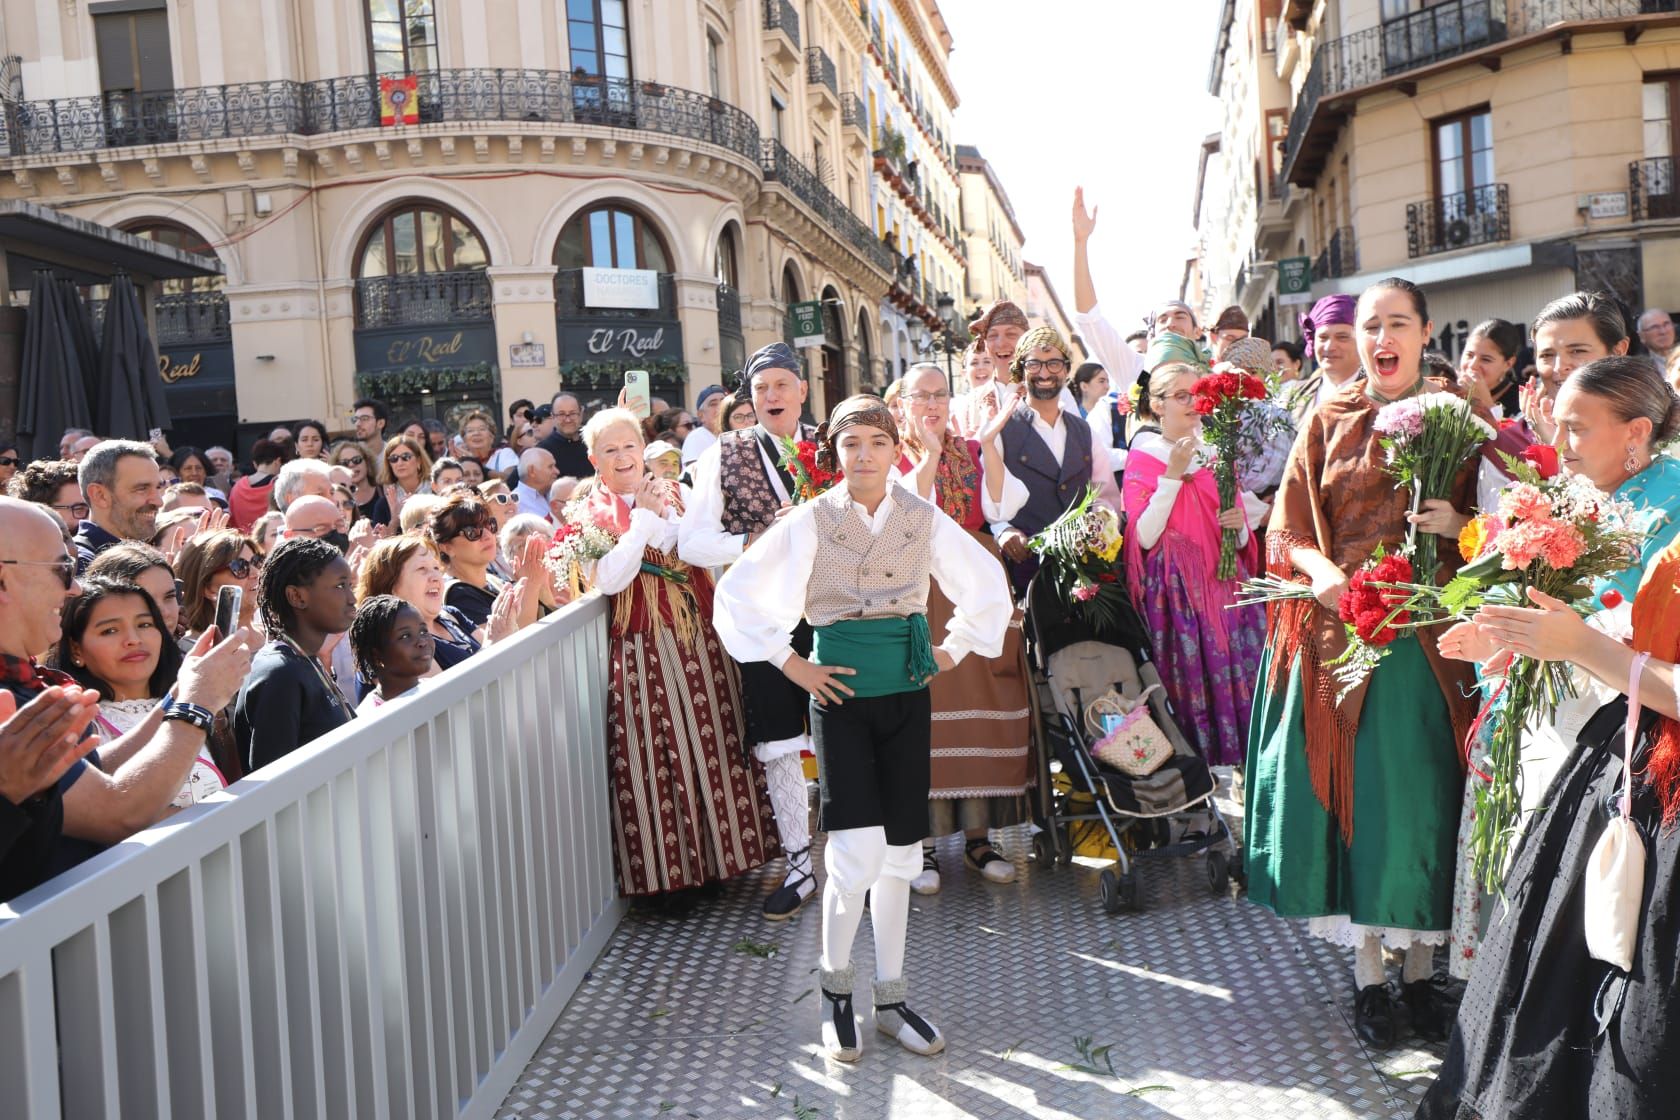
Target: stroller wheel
point(1110, 886)
point(1043, 850)
point(1218, 871)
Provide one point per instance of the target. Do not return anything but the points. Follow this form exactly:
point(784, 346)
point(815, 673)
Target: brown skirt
point(982, 761)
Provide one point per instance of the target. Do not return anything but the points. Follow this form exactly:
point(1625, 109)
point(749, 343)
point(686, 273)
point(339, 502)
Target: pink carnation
point(1558, 543)
point(1085, 593)
point(1401, 420)
point(1522, 501)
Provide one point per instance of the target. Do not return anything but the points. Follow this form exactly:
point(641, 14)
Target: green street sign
point(1294, 280)
point(807, 324)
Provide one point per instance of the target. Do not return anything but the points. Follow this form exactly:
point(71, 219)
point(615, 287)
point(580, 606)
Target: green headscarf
point(1168, 347)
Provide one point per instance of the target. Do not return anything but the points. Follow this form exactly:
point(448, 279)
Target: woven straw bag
point(1132, 743)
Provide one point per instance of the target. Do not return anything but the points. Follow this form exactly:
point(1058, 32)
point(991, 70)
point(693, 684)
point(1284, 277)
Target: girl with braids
point(289, 699)
point(980, 757)
point(392, 648)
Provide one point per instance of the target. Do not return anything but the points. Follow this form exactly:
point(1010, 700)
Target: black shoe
point(1373, 1017)
point(789, 898)
point(1432, 1018)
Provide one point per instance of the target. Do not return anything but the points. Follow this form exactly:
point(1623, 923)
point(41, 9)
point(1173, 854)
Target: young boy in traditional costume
point(856, 563)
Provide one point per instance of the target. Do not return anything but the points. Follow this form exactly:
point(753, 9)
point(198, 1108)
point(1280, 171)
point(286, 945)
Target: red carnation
point(1205, 406)
point(1611, 598)
point(1543, 457)
point(1254, 389)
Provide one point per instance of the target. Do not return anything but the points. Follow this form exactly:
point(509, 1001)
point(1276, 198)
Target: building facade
point(1044, 308)
point(992, 235)
point(456, 204)
point(1497, 152)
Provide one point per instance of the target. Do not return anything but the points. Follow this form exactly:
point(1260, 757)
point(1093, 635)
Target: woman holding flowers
point(1613, 415)
point(1207, 650)
point(981, 763)
point(1352, 795)
point(690, 806)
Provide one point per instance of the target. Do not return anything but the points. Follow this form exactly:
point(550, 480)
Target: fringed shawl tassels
point(654, 601)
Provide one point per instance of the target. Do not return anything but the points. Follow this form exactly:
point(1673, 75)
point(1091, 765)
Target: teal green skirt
point(1407, 793)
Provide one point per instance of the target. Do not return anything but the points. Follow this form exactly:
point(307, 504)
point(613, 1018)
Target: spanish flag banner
point(398, 103)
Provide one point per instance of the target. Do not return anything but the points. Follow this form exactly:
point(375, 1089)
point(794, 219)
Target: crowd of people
point(853, 591)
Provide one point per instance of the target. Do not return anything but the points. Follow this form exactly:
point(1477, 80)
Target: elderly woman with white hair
point(689, 805)
point(514, 537)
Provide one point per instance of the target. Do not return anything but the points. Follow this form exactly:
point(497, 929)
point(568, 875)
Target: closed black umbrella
point(52, 396)
point(131, 400)
point(82, 331)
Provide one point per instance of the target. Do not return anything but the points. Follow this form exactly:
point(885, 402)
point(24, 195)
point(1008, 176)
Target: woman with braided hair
point(857, 563)
point(392, 647)
point(307, 594)
point(982, 717)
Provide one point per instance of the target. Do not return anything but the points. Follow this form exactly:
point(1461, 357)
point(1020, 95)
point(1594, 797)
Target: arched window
point(402, 36)
point(725, 264)
point(178, 236)
point(611, 236)
point(413, 237)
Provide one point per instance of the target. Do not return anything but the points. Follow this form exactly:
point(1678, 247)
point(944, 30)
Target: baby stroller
point(1074, 666)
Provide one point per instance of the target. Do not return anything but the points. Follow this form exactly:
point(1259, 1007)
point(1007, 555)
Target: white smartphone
point(636, 397)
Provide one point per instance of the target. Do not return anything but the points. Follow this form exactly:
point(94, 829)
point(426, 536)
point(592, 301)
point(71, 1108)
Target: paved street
point(1198, 1007)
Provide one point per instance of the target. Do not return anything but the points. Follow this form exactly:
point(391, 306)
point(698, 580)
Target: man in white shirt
point(708, 410)
point(537, 473)
point(1048, 448)
point(1656, 331)
point(1328, 328)
point(740, 490)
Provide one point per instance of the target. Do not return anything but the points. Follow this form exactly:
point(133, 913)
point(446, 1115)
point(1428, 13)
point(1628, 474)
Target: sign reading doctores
point(635, 289)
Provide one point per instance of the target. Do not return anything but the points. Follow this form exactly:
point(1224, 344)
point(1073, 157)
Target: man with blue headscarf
point(740, 491)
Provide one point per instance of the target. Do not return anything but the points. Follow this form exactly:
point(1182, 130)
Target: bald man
point(129, 783)
point(314, 516)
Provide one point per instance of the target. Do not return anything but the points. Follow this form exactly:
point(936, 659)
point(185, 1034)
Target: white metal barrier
point(383, 924)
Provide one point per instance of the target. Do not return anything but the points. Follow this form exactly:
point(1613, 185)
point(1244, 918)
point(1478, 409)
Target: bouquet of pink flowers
point(1427, 439)
point(1555, 533)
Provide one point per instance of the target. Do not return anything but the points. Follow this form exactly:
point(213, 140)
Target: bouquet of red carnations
point(1223, 397)
point(799, 459)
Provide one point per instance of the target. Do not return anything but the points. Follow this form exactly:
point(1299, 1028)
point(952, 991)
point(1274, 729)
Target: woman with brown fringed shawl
point(1351, 807)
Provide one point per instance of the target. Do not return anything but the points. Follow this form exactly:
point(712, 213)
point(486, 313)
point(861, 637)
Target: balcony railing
point(853, 113)
point(779, 15)
point(1340, 257)
point(1651, 189)
point(819, 70)
point(729, 310)
point(209, 113)
point(187, 317)
point(780, 165)
point(1441, 31)
point(422, 297)
point(1537, 15)
point(568, 299)
point(1479, 216)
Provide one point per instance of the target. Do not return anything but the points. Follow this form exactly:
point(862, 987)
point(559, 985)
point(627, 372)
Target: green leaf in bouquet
point(1484, 568)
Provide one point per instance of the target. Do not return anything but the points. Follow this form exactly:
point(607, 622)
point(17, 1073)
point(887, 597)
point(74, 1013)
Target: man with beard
point(124, 492)
point(1047, 447)
point(740, 491)
point(998, 332)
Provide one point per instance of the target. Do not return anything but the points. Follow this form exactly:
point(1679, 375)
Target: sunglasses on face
point(9, 460)
point(400, 457)
point(470, 532)
point(239, 567)
point(65, 565)
point(351, 461)
point(500, 499)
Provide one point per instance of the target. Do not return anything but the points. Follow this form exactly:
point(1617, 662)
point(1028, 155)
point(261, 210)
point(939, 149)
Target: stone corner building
point(404, 194)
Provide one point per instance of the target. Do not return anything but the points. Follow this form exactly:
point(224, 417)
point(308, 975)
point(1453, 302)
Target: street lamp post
point(948, 318)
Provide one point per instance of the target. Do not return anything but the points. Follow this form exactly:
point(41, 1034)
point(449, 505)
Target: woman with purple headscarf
point(1328, 329)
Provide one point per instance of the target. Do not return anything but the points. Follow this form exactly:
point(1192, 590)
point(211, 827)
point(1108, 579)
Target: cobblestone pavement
point(1199, 1006)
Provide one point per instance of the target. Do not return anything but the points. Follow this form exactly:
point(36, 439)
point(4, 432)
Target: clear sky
point(1110, 95)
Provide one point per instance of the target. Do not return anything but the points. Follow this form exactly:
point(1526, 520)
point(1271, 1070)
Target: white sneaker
point(928, 881)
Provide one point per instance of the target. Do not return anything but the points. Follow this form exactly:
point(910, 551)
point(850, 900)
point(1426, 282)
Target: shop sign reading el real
point(400, 347)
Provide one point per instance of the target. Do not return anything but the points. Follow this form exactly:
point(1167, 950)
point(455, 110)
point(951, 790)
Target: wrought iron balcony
point(1441, 31)
point(422, 297)
point(188, 317)
point(819, 70)
point(779, 15)
point(1537, 15)
point(1652, 189)
point(780, 165)
point(853, 113)
point(729, 310)
point(1340, 257)
point(1480, 216)
point(568, 299)
point(79, 124)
